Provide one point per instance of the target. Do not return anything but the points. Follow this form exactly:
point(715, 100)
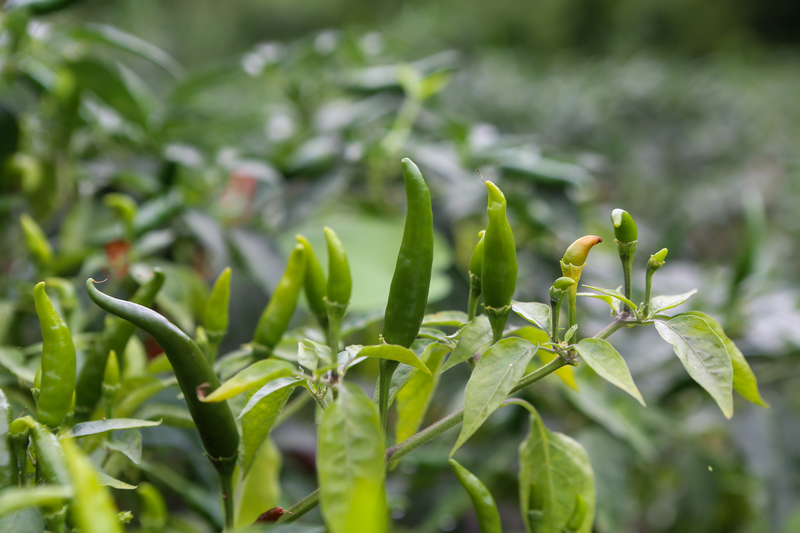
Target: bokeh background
point(235, 125)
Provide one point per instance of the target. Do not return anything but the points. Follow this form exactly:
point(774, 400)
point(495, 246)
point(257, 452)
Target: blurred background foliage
point(234, 125)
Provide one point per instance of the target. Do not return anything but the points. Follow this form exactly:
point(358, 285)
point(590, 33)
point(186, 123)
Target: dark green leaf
point(471, 338)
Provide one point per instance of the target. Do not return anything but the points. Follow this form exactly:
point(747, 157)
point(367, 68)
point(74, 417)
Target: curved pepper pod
point(578, 251)
point(340, 282)
point(314, 284)
point(278, 313)
point(624, 227)
point(476, 259)
point(214, 421)
point(482, 501)
point(499, 268)
point(215, 316)
point(408, 295)
point(58, 362)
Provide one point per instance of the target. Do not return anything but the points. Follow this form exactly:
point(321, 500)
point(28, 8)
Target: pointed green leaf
point(129, 443)
point(612, 303)
point(744, 380)
point(107, 481)
point(662, 303)
point(534, 312)
point(703, 355)
point(495, 375)
point(260, 413)
point(471, 338)
point(555, 480)
point(446, 318)
point(609, 364)
point(350, 462)
point(310, 353)
point(255, 375)
point(482, 501)
point(614, 294)
point(101, 426)
point(415, 396)
point(394, 352)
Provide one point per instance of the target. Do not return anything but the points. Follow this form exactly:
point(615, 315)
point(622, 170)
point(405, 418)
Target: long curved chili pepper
point(214, 421)
point(482, 501)
point(571, 266)
point(276, 316)
point(58, 362)
point(625, 233)
point(408, 294)
point(115, 337)
point(499, 269)
point(215, 316)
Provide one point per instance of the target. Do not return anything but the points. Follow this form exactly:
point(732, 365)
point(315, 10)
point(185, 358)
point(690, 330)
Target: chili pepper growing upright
point(340, 287)
point(8, 461)
point(626, 233)
point(475, 269)
point(315, 285)
point(499, 268)
point(214, 421)
point(276, 316)
point(216, 312)
point(36, 240)
point(58, 362)
point(558, 291)
point(115, 337)
point(656, 261)
point(571, 266)
point(408, 294)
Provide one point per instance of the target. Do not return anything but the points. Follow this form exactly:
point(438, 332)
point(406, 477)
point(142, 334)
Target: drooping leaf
point(609, 365)
point(260, 489)
point(703, 355)
point(259, 415)
point(251, 377)
point(534, 312)
point(394, 352)
point(471, 338)
point(350, 462)
point(662, 303)
point(415, 396)
point(614, 294)
point(101, 426)
point(555, 480)
point(129, 443)
point(744, 380)
point(499, 369)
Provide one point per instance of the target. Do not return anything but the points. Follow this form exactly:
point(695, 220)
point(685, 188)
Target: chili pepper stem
point(626, 252)
point(387, 369)
point(574, 272)
point(497, 319)
point(474, 296)
point(226, 480)
point(555, 311)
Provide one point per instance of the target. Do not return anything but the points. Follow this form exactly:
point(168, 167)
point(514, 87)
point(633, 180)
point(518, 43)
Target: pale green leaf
point(612, 303)
point(251, 377)
point(394, 352)
point(495, 375)
point(107, 481)
point(744, 380)
point(350, 463)
point(260, 489)
point(614, 294)
point(101, 426)
point(534, 312)
point(260, 414)
point(609, 364)
point(446, 318)
point(13, 499)
point(555, 480)
point(471, 338)
point(128, 443)
point(703, 355)
point(414, 398)
point(309, 354)
point(662, 303)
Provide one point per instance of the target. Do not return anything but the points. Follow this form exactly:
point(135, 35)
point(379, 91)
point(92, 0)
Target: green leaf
point(129, 443)
point(13, 499)
point(471, 338)
point(170, 414)
point(112, 424)
point(555, 480)
point(108, 481)
point(570, 333)
point(394, 352)
point(255, 375)
point(662, 303)
point(744, 380)
point(260, 489)
point(534, 312)
point(614, 294)
point(500, 368)
point(612, 303)
point(350, 461)
point(12, 360)
point(260, 414)
point(446, 318)
point(415, 396)
point(110, 87)
point(309, 354)
point(703, 355)
point(609, 364)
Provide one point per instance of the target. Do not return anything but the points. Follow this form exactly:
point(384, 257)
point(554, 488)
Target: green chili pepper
point(499, 268)
point(216, 312)
point(36, 240)
point(58, 362)
point(315, 285)
point(626, 233)
point(214, 421)
point(408, 294)
point(115, 337)
point(571, 266)
point(111, 383)
point(475, 269)
point(340, 283)
point(624, 227)
point(558, 291)
point(656, 261)
point(482, 501)
point(8, 461)
point(92, 509)
point(276, 316)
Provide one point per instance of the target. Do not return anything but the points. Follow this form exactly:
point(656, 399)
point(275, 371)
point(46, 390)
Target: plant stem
point(648, 287)
point(227, 497)
point(387, 368)
point(618, 322)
